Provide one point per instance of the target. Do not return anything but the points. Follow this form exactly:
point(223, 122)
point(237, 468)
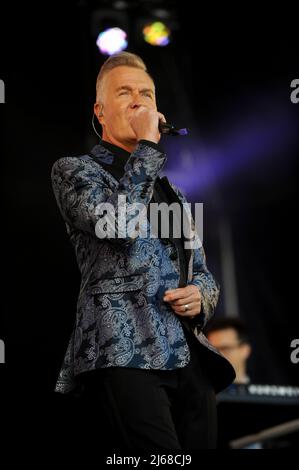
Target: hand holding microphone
point(149, 124)
point(144, 121)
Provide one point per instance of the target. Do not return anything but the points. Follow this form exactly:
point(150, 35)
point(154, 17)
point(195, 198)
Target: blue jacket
point(121, 317)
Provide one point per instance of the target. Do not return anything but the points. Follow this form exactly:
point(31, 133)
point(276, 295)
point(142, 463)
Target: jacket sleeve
point(85, 199)
point(201, 276)
point(208, 286)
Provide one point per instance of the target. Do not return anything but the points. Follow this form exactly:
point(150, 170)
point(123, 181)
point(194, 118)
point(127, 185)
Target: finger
point(161, 117)
point(175, 294)
point(140, 109)
point(182, 308)
point(180, 293)
point(193, 310)
point(186, 300)
point(189, 288)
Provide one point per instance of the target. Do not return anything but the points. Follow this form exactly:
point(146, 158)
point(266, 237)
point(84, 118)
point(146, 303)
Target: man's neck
point(128, 146)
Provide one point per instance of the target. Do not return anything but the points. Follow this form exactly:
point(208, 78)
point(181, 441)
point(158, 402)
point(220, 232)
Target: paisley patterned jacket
point(121, 318)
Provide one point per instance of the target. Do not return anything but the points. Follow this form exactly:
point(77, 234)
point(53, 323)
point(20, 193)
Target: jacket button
point(173, 255)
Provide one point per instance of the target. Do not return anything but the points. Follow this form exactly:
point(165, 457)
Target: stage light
point(111, 41)
point(156, 33)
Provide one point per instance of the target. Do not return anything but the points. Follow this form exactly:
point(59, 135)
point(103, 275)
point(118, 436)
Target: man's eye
point(125, 92)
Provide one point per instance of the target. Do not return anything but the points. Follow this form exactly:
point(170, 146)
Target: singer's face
point(123, 89)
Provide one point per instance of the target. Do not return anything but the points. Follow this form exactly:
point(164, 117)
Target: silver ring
point(186, 307)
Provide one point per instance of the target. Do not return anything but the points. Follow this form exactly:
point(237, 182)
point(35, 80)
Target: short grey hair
point(116, 60)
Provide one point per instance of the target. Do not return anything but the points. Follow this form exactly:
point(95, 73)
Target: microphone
point(169, 129)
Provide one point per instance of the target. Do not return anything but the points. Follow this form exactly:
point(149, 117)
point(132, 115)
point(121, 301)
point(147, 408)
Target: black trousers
point(153, 409)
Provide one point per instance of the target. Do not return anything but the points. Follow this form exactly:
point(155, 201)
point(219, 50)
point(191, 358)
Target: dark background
point(226, 75)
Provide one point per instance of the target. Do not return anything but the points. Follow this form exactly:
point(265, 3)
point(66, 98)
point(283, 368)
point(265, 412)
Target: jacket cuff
point(151, 144)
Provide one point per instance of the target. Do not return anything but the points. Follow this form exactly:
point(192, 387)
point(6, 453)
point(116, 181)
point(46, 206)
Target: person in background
point(230, 337)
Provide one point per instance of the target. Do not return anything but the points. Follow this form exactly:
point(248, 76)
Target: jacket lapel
point(172, 196)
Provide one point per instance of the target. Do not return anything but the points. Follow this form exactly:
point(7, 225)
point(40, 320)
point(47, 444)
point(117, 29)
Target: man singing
point(137, 345)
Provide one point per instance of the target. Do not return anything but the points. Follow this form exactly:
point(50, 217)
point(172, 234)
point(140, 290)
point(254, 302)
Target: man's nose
point(137, 101)
point(135, 104)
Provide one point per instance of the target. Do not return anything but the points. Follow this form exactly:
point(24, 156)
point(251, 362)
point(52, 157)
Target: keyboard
point(257, 393)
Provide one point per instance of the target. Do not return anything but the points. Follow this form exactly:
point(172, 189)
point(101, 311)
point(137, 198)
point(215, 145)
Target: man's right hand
point(145, 123)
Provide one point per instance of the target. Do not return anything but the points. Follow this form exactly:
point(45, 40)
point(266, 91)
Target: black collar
point(117, 166)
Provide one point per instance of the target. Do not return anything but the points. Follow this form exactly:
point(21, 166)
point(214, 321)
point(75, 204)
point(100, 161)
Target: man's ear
point(246, 350)
point(98, 111)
